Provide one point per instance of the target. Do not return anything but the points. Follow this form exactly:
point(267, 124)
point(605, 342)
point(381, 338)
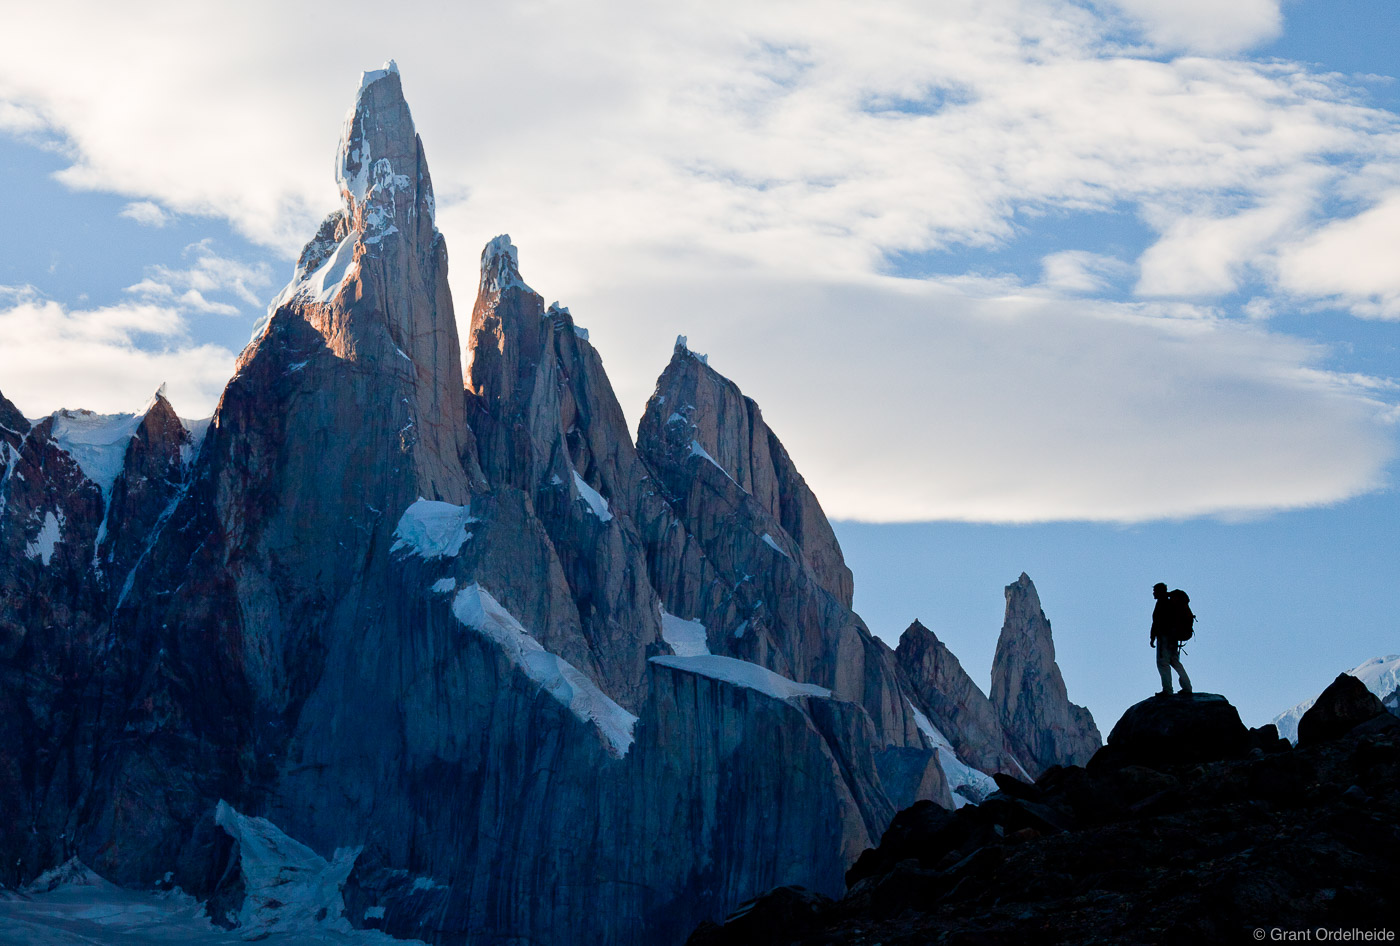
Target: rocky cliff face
point(788, 592)
point(553, 686)
point(955, 704)
point(1028, 693)
point(79, 496)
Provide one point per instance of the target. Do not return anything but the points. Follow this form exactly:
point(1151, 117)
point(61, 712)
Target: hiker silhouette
point(1171, 624)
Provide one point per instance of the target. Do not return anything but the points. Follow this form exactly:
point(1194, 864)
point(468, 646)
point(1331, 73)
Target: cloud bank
point(761, 178)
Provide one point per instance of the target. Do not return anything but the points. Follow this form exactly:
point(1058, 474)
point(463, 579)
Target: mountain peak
point(682, 350)
point(500, 266)
point(370, 76)
point(11, 419)
point(1022, 593)
point(379, 163)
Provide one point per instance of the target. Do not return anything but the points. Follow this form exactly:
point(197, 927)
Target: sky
point(1104, 291)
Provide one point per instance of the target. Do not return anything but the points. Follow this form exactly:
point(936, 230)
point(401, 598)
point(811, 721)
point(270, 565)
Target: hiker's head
point(1159, 590)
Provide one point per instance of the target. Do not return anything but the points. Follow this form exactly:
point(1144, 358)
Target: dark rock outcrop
point(152, 474)
point(1028, 692)
point(1173, 730)
point(1299, 839)
point(1344, 705)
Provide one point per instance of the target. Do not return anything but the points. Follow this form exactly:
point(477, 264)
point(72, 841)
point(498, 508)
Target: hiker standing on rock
point(1171, 624)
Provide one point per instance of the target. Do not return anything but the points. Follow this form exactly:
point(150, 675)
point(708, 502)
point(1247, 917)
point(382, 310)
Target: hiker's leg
point(1164, 666)
point(1181, 672)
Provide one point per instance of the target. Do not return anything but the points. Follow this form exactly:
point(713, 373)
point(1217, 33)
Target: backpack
point(1183, 622)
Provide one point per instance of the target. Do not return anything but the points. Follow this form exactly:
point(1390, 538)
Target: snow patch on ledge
point(686, 638)
point(742, 673)
point(696, 450)
point(49, 534)
point(593, 498)
point(768, 541)
point(432, 529)
point(289, 887)
point(475, 608)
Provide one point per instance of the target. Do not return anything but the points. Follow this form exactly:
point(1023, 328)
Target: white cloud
point(1352, 261)
point(1080, 271)
point(991, 403)
point(19, 120)
point(110, 359)
point(1206, 26)
point(146, 213)
point(743, 172)
point(210, 273)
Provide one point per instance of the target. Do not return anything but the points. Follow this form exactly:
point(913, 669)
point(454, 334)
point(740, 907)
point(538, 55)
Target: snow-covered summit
point(378, 150)
point(371, 76)
point(500, 266)
point(683, 348)
point(384, 186)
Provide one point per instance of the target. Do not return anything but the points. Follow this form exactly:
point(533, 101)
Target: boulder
point(1173, 730)
point(1345, 704)
point(778, 916)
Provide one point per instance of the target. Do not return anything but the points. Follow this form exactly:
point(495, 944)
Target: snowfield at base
point(72, 906)
point(743, 674)
point(289, 887)
point(97, 442)
point(595, 499)
point(477, 609)
point(964, 782)
point(686, 638)
point(1380, 674)
point(432, 529)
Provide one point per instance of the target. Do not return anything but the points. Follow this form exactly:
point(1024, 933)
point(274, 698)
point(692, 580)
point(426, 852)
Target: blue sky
point(1102, 291)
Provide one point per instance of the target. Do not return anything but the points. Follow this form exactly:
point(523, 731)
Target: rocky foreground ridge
point(1185, 828)
point(452, 633)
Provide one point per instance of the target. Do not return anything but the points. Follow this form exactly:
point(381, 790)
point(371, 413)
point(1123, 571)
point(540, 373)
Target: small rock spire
point(500, 266)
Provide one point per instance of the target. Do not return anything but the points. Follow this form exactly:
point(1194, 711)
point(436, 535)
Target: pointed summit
point(696, 412)
point(500, 266)
point(11, 419)
point(1028, 692)
point(379, 164)
point(372, 283)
